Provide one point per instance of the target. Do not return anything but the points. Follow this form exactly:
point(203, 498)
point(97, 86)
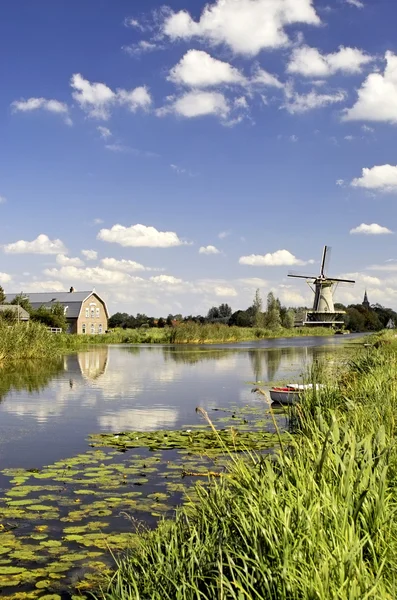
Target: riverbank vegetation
point(318, 520)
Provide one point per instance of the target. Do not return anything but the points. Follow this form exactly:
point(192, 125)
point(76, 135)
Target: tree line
point(274, 317)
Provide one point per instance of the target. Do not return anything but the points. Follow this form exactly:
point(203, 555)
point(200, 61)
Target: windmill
point(323, 312)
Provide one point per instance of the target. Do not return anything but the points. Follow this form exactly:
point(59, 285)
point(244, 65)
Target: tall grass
point(316, 521)
point(26, 341)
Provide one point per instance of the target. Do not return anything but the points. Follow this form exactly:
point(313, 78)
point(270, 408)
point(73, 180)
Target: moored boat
point(291, 393)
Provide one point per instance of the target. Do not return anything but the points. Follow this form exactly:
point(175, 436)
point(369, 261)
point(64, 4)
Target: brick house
point(85, 312)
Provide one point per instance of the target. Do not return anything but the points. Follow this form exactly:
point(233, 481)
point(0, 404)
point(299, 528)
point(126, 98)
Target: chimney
point(72, 290)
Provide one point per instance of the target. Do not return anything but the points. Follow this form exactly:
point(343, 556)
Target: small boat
point(291, 393)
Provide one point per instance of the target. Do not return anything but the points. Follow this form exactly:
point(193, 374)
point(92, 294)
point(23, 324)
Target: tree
point(161, 323)
point(2, 296)
point(289, 319)
point(273, 319)
point(117, 320)
point(242, 318)
point(22, 300)
point(213, 314)
point(225, 312)
point(257, 306)
point(52, 316)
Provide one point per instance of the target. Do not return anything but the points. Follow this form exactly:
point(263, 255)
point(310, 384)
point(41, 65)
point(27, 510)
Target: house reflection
point(90, 364)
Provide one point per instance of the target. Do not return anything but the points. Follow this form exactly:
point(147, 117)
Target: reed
point(317, 520)
point(22, 341)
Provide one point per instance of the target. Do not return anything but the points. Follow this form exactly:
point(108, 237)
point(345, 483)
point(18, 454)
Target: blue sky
point(197, 152)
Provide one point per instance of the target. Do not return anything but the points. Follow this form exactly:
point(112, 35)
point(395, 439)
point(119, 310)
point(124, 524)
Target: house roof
point(23, 314)
point(71, 300)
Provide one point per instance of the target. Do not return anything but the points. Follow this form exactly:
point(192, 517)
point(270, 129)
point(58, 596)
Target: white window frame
point(92, 312)
point(92, 328)
point(83, 328)
point(100, 329)
point(98, 313)
point(87, 313)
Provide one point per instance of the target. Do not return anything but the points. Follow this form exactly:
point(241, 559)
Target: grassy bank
point(194, 333)
point(318, 522)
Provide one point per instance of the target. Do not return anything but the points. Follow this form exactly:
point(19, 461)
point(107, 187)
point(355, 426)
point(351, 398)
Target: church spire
point(366, 301)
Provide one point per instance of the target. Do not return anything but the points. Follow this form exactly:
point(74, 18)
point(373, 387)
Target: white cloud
point(131, 22)
point(53, 106)
point(104, 132)
point(390, 265)
point(90, 254)
point(197, 104)
point(135, 99)
point(42, 286)
point(65, 261)
point(381, 177)
point(97, 99)
point(139, 236)
point(309, 62)
point(223, 234)
point(198, 69)
point(373, 229)
point(208, 250)
point(3, 199)
point(41, 245)
point(127, 266)
point(340, 182)
point(181, 170)
point(167, 279)
point(367, 129)
point(4, 278)
point(141, 47)
point(246, 26)
point(94, 275)
point(377, 97)
point(293, 138)
point(349, 138)
point(262, 77)
point(275, 259)
point(356, 3)
point(300, 103)
point(98, 221)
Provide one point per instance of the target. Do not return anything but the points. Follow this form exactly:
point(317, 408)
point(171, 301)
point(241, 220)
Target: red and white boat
point(291, 393)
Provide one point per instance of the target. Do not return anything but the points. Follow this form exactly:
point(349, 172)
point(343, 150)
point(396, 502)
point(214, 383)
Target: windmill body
point(323, 312)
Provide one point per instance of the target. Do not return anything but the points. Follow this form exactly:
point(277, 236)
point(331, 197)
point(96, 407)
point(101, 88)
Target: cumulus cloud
point(208, 250)
point(139, 236)
point(94, 275)
point(372, 229)
point(128, 266)
point(64, 261)
point(43, 286)
point(97, 99)
point(197, 103)
point(90, 254)
point(198, 69)
point(4, 278)
point(309, 62)
point(41, 245)
point(377, 97)
point(382, 178)
point(52, 106)
point(246, 26)
point(300, 103)
point(275, 259)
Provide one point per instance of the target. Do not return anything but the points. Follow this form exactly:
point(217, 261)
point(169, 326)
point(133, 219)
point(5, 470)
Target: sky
point(174, 157)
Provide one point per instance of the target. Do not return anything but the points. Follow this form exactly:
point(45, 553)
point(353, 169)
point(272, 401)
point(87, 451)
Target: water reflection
point(49, 409)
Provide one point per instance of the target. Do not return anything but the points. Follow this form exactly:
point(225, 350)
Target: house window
point(92, 329)
point(100, 328)
point(87, 313)
point(92, 313)
point(97, 313)
point(83, 328)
